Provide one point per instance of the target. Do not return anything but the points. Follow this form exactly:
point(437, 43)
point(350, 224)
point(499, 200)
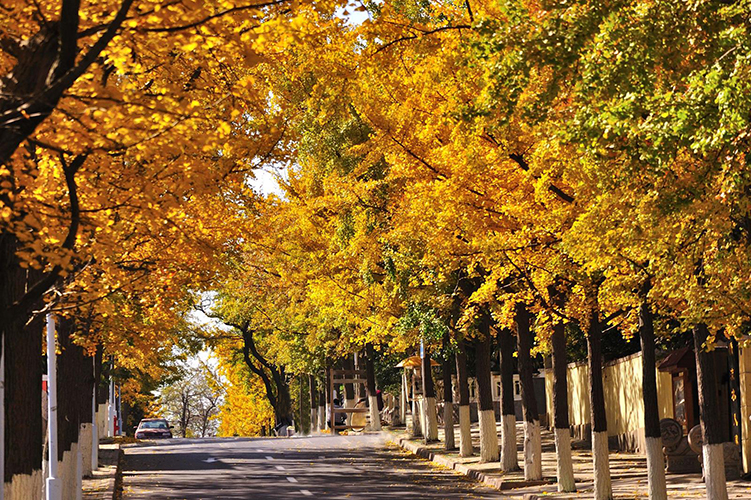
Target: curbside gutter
point(103, 483)
point(493, 481)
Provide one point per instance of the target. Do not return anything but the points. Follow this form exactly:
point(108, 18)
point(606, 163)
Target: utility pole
point(54, 485)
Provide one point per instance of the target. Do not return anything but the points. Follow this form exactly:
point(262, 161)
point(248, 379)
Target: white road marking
point(260, 451)
point(269, 458)
point(306, 493)
point(279, 467)
point(209, 460)
point(291, 479)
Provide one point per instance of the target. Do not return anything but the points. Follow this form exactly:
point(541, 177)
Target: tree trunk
point(313, 404)
point(562, 428)
point(360, 392)
point(415, 429)
point(322, 407)
point(509, 453)
point(712, 448)
point(488, 433)
point(404, 397)
point(465, 436)
point(349, 387)
point(329, 397)
point(430, 429)
point(23, 381)
point(532, 437)
point(284, 410)
point(655, 457)
point(76, 383)
point(277, 390)
point(375, 416)
point(448, 397)
point(603, 487)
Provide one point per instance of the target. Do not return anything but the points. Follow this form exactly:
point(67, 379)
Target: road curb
point(103, 483)
point(495, 482)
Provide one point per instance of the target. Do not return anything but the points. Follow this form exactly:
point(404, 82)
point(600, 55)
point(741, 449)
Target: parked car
point(153, 428)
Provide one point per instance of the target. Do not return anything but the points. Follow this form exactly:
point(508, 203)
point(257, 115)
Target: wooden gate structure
point(337, 377)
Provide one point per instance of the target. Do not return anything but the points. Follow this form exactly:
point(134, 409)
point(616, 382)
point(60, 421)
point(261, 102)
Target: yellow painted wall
point(623, 394)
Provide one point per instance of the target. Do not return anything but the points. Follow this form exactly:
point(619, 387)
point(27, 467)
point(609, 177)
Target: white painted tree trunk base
point(564, 464)
point(313, 420)
point(448, 426)
point(465, 432)
point(101, 420)
point(532, 451)
point(24, 486)
point(321, 418)
point(403, 399)
point(714, 471)
point(79, 473)
point(375, 416)
point(416, 430)
point(601, 462)
point(431, 420)
point(85, 444)
point(488, 437)
point(67, 470)
point(509, 452)
point(94, 447)
point(656, 469)
point(423, 423)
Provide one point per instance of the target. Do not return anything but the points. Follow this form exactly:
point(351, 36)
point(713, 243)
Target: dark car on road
point(153, 428)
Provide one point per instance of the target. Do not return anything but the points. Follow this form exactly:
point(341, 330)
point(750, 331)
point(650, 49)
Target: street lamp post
point(54, 485)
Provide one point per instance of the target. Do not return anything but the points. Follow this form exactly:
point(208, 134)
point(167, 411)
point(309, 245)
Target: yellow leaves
point(223, 129)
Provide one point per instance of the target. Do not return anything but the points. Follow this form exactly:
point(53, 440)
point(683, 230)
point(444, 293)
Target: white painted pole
point(111, 409)
point(94, 429)
point(119, 410)
point(54, 485)
point(2, 418)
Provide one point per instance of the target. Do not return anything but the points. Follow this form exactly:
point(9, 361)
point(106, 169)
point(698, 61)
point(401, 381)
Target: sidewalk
point(101, 486)
point(628, 470)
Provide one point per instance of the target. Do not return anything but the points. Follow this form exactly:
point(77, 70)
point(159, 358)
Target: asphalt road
point(351, 467)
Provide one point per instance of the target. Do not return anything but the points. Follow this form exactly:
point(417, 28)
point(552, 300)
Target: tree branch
point(35, 292)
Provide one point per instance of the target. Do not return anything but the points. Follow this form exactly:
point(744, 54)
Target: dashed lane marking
point(279, 467)
point(291, 479)
point(269, 458)
point(306, 493)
